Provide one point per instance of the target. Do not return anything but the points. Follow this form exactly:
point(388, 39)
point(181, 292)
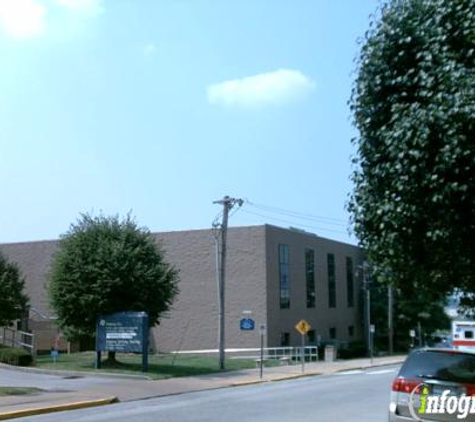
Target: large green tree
point(106, 265)
point(419, 309)
point(13, 300)
point(413, 204)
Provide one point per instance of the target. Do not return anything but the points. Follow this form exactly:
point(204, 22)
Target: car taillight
point(470, 389)
point(403, 385)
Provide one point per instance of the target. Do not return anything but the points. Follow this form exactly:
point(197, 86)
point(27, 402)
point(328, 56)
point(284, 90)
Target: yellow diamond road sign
point(303, 327)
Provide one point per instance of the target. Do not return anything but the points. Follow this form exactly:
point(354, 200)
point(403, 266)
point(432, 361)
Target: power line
point(235, 211)
point(293, 222)
point(299, 215)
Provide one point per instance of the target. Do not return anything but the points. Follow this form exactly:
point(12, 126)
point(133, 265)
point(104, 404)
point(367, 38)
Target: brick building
point(280, 275)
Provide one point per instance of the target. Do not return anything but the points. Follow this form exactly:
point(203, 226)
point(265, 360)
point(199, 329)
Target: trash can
point(330, 353)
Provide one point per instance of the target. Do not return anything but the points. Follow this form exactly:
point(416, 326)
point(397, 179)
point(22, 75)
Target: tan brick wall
point(34, 259)
point(47, 336)
point(252, 271)
point(193, 322)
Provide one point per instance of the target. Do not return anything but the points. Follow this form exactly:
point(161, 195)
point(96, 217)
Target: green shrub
point(15, 356)
point(355, 349)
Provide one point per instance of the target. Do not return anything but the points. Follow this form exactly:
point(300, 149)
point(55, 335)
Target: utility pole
point(390, 319)
point(419, 329)
point(227, 203)
point(366, 282)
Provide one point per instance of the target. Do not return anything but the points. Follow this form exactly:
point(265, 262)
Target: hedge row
point(355, 349)
point(15, 356)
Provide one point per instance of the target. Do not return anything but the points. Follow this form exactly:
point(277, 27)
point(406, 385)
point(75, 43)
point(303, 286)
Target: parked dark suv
point(432, 383)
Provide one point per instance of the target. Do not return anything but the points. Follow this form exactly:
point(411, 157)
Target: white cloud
point(86, 7)
point(22, 18)
point(279, 87)
point(149, 49)
point(27, 18)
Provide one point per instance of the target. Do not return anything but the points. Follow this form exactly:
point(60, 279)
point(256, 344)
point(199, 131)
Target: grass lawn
point(160, 366)
point(15, 391)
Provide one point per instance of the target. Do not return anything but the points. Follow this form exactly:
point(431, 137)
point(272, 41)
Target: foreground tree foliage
point(105, 265)
point(13, 301)
point(413, 204)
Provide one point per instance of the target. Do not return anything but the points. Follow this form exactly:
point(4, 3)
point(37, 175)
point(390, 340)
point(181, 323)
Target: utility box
point(330, 353)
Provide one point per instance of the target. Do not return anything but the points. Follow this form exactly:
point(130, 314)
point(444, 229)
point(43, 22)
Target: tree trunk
point(111, 357)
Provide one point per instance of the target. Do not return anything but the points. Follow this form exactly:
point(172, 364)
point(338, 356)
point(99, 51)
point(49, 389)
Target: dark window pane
point(284, 281)
point(333, 333)
point(350, 282)
point(311, 336)
point(331, 280)
point(310, 277)
point(444, 366)
point(284, 339)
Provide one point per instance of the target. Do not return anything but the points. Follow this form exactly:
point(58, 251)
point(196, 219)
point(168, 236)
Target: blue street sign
point(123, 332)
point(247, 324)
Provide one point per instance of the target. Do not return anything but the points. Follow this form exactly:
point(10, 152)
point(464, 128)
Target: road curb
point(296, 376)
point(276, 379)
point(56, 408)
point(312, 374)
point(376, 365)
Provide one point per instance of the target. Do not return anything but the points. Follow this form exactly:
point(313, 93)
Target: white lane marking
point(381, 371)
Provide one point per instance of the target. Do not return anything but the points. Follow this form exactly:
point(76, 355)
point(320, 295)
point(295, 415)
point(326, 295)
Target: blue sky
point(159, 107)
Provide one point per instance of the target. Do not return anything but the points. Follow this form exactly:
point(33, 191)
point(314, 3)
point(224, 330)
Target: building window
point(284, 339)
point(350, 282)
point(311, 336)
point(310, 277)
point(333, 333)
point(331, 280)
point(284, 283)
point(351, 330)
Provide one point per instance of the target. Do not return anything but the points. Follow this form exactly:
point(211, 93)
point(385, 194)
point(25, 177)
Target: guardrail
point(15, 338)
point(310, 353)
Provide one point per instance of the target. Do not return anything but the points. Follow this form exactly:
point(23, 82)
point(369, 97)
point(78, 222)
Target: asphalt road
point(355, 396)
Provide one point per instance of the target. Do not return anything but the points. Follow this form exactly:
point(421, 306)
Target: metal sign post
point(303, 328)
point(372, 329)
point(262, 332)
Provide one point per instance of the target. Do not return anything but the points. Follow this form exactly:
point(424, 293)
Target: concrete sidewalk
point(138, 389)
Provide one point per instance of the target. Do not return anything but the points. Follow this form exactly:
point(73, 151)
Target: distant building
point(275, 276)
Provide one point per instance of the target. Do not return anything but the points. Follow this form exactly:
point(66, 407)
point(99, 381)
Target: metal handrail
point(18, 339)
point(270, 353)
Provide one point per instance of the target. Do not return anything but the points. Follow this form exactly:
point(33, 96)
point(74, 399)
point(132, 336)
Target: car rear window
point(444, 366)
